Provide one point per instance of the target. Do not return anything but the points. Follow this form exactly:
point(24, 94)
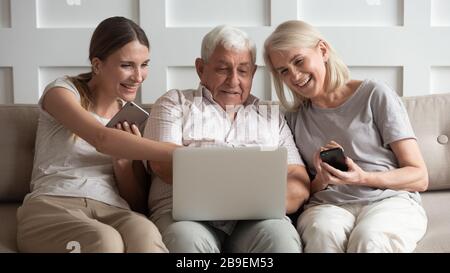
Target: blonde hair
point(298, 34)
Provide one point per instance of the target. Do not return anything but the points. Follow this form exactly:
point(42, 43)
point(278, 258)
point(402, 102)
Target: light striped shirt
point(192, 118)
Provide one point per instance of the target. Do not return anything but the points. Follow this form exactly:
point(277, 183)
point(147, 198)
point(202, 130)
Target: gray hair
point(230, 38)
point(298, 34)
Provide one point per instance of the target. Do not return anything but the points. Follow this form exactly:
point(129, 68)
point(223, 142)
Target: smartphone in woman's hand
point(334, 157)
point(131, 113)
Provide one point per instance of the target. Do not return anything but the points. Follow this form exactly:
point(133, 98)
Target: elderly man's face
point(228, 74)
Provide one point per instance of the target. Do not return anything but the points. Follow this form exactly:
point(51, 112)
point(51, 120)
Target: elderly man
point(220, 106)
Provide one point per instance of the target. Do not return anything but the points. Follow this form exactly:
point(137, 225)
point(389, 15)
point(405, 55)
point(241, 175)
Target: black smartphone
point(334, 157)
point(131, 113)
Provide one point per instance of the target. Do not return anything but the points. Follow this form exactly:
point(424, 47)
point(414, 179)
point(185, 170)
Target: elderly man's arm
point(163, 169)
point(297, 191)
point(165, 125)
point(132, 183)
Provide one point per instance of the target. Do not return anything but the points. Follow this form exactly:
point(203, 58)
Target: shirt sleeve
point(390, 115)
point(60, 82)
point(165, 121)
point(287, 141)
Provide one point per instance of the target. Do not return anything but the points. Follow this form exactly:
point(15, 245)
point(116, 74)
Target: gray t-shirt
point(372, 118)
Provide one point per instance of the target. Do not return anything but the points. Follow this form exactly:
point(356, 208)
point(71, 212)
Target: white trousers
point(393, 224)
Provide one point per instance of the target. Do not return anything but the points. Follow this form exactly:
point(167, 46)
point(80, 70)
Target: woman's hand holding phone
point(129, 128)
point(320, 181)
point(326, 174)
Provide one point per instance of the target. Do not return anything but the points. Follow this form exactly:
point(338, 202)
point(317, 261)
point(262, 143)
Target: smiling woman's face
point(301, 69)
point(123, 72)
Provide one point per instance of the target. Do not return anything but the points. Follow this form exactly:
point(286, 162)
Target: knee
point(323, 231)
point(319, 238)
point(103, 239)
point(189, 237)
point(370, 241)
point(275, 236)
point(146, 238)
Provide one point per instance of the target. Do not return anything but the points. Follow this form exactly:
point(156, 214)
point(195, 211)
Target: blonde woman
point(375, 205)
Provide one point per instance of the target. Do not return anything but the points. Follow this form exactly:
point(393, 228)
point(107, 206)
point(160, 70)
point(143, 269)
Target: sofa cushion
point(437, 238)
point(8, 230)
point(19, 124)
point(430, 118)
point(17, 148)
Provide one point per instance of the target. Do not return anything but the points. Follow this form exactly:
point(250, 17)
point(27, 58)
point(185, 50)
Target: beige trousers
point(72, 224)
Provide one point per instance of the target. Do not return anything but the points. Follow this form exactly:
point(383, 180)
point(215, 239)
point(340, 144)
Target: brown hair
point(109, 36)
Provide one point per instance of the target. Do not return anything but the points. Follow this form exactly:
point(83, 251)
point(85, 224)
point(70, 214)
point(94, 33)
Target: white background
point(405, 43)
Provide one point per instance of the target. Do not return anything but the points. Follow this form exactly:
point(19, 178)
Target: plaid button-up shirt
point(192, 118)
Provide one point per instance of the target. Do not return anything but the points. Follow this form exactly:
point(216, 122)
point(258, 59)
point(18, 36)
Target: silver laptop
point(229, 183)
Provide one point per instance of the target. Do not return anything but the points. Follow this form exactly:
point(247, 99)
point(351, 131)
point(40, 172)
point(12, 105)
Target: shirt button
point(442, 139)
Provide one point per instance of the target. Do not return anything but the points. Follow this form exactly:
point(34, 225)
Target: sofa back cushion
point(19, 123)
point(430, 118)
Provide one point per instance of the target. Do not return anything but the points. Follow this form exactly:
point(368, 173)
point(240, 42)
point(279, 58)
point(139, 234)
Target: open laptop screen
point(229, 183)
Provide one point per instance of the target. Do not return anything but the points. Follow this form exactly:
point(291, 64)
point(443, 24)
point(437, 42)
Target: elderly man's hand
point(163, 170)
point(297, 188)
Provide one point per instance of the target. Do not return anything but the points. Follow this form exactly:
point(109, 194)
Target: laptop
point(243, 183)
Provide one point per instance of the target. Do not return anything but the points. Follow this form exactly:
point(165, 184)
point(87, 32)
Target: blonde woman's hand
point(327, 175)
point(353, 176)
point(320, 180)
point(330, 175)
point(331, 145)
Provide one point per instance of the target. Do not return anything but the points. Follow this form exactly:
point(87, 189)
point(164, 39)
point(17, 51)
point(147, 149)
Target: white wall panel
point(5, 14)
point(182, 77)
point(188, 13)
point(440, 13)
point(186, 78)
point(261, 84)
point(82, 13)
point(48, 74)
point(402, 42)
point(440, 79)
point(392, 76)
point(6, 87)
point(352, 12)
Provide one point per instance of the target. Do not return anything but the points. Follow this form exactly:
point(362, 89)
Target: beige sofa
point(429, 115)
